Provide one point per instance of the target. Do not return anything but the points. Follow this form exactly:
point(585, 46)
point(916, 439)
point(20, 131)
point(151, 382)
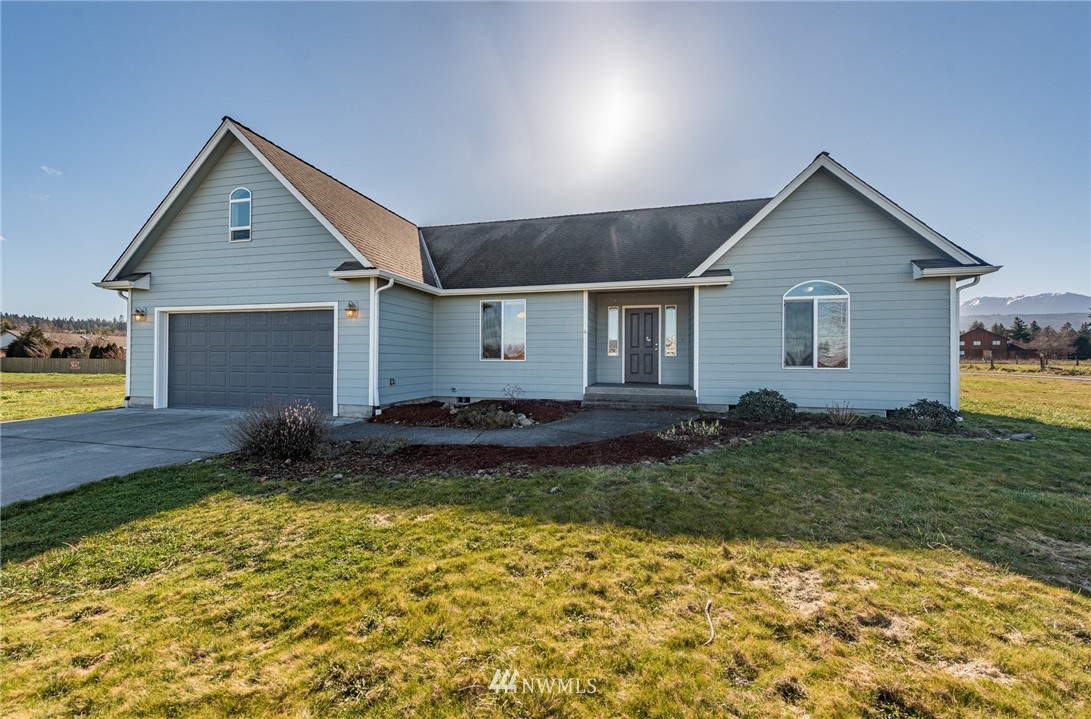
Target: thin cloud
point(51, 171)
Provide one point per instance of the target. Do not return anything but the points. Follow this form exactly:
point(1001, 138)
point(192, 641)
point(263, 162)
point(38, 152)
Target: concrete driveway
point(41, 456)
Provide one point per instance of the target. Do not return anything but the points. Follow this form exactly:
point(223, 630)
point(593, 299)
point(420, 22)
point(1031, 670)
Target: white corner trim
point(825, 162)
point(697, 343)
point(372, 346)
point(161, 333)
point(586, 330)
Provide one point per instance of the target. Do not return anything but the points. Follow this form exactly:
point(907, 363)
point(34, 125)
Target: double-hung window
point(239, 215)
point(816, 326)
point(504, 330)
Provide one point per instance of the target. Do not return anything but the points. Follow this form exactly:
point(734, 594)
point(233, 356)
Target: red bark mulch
point(432, 414)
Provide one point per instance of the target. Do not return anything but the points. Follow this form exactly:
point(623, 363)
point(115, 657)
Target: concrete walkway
point(586, 426)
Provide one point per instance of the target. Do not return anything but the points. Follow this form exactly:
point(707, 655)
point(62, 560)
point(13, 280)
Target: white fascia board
point(825, 162)
point(959, 272)
point(356, 254)
point(674, 283)
point(143, 283)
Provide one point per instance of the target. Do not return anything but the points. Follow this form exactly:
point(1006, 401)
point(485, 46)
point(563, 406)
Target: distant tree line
point(1068, 342)
point(116, 325)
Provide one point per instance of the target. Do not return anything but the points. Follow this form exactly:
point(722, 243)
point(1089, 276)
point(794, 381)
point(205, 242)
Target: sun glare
point(615, 112)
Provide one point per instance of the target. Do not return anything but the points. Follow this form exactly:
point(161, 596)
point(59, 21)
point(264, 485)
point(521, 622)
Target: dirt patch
point(436, 414)
point(801, 589)
point(977, 669)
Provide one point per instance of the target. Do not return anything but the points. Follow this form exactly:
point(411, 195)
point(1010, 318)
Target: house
point(6, 338)
point(981, 344)
point(259, 276)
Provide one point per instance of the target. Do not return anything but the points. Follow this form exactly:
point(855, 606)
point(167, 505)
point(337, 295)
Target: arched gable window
point(239, 215)
point(816, 326)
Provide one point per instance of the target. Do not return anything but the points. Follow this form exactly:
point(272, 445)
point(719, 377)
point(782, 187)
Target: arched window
point(816, 326)
point(239, 215)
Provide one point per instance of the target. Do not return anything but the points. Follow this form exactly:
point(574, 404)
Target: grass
point(1056, 367)
point(25, 395)
point(859, 573)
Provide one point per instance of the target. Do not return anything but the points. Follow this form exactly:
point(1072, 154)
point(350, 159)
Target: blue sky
point(975, 117)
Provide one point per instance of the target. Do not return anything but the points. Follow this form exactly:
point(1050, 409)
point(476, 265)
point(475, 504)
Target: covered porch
point(640, 348)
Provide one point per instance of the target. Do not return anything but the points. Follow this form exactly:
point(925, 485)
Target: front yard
point(858, 573)
point(24, 395)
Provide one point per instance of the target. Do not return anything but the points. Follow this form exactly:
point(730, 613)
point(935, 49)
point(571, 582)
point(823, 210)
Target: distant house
point(6, 338)
point(982, 344)
point(260, 276)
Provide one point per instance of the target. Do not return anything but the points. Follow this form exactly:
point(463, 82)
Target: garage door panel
point(245, 359)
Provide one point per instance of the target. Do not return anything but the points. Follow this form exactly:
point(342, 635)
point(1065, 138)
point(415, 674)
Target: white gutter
point(671, 283)
point(957, 271)
point(373, 345)
point(956, 290)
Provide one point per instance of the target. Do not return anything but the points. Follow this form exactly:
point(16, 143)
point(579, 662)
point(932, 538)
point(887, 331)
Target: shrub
point(928, 414)
point(280, 431)
point(690, 429)
point(384, 446)
point(484, 417)
point(765, 405)
point(841, 415)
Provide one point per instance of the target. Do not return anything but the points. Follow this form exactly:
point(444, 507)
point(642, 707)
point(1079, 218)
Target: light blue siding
point(405, 345)
point(592, 337)
point(554, 365)
point(675, 370)
point(288, 261)
point(900, 334)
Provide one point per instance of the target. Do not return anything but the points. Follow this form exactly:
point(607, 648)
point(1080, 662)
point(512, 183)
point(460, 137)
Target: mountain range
point(1048, 308)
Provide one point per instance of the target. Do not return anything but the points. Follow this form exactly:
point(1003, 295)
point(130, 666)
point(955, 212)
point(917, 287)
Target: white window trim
point(846, 298)
point(160, 333)
point(503, 310)
point(231, 202)
point(617, 351)
point(621, 339)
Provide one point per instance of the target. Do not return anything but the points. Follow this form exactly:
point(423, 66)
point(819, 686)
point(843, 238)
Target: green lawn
point(24, 395)
point(851, 574)
point(1056, 367)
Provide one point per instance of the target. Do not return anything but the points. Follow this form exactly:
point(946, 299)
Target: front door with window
point(642, 345)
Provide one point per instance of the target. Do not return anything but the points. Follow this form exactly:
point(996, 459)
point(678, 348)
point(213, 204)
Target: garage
point(243, 359)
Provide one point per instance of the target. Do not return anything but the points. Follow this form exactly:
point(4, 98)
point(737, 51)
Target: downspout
point(128, 297)
point(956, 304)
point(373, 365)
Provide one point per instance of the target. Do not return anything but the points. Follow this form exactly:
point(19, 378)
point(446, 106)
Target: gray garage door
point(244, 359)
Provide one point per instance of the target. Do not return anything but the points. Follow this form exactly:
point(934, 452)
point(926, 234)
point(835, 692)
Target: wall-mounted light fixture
point(352, 311)
point(140, 314)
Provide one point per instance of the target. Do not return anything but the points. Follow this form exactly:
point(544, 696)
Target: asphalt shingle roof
point(646, 244)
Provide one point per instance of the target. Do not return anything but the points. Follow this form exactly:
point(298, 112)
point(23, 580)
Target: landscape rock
point(338, 476)
point(554, 490)
point(1022, 437)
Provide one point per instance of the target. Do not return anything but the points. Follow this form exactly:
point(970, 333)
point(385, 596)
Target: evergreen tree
point(1034, 329)
point(999, 329)
point(1019, 330)
point(976, 325)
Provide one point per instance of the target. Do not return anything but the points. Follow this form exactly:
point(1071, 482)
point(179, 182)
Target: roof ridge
point(597, 212)
point(319, 169)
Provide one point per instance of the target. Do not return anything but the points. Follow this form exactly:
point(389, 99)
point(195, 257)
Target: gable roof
point(959, 256)
point(644, 244)
point(372, 234)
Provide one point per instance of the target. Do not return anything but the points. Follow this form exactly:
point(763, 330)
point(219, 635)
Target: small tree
point(1053, 344)
point(31, 343)
point(976, 325)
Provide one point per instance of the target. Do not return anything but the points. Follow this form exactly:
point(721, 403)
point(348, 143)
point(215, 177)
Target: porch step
point(639, 396)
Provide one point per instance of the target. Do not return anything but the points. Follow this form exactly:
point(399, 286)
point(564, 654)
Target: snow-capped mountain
point(1046, 303)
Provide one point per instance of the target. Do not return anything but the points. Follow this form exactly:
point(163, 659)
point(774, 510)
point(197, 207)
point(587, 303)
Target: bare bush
point(841, 414)
point(280, 431)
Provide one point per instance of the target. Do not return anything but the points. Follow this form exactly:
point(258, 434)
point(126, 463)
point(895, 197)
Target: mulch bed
point(433, 414)
point(384, 458)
